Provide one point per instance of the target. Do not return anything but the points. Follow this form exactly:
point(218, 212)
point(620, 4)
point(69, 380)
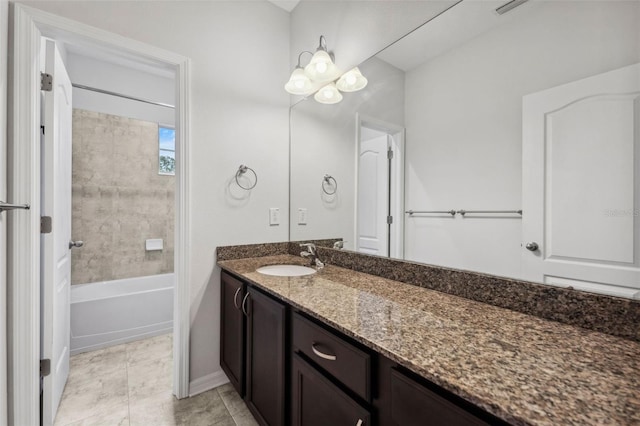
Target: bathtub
point(113, 312)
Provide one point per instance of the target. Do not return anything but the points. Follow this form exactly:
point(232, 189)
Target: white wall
point(4, 33)
point(105, 75)
point(464, 130)
point(237, 116)
point(323, 141)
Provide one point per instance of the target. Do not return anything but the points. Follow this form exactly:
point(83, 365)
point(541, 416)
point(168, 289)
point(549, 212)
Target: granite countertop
point(523, 369)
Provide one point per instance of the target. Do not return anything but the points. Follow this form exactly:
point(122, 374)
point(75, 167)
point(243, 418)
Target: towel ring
point(242, 170)
point(327, 180)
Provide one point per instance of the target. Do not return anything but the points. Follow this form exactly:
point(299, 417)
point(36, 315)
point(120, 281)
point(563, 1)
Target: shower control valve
point(76, 244)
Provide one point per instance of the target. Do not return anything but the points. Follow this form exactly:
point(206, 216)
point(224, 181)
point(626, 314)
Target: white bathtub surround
point(109, 313)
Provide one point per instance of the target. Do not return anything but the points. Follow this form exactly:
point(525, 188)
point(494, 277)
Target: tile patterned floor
point(130, 384)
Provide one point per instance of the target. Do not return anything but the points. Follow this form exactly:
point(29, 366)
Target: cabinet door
point(414, 405)
point(318, 402)
point(266, 358)
point(232, 338)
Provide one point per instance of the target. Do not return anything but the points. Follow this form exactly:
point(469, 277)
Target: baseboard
point(205, 383)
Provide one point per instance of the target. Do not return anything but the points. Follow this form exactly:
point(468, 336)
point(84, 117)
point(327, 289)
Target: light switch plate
point(302, 216)
point(274, 216)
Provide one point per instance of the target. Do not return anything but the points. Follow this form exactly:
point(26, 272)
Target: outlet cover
point(302, 216)
point(274, 216)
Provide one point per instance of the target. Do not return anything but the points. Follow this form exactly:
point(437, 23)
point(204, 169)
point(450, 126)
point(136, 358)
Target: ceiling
point(287, 5)
point(453, 28)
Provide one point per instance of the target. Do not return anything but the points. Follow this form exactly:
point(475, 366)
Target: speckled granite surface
point(611, 315)
point(523, 369)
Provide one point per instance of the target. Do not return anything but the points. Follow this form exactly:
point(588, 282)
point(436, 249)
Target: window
point(167, 145)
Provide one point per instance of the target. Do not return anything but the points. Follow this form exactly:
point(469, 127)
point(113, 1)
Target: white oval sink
point(286, 270)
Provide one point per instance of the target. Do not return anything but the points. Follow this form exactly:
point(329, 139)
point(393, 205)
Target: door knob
point(76, 244)
point(532, 246)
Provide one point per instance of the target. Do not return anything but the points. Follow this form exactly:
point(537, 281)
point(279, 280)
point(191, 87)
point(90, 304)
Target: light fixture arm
point(322, 45)
point(300, 57)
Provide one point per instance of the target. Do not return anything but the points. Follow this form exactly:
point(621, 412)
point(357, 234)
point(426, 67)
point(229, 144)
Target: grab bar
point(463, 212)
point(412, 212)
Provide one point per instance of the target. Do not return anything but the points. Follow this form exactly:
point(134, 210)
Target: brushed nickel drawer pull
point(244, 304)
point(322, 354)
point(235, 298)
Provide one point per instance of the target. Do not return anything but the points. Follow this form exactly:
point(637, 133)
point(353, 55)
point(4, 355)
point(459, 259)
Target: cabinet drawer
point(318, 402)
point(414, 405)
point(342, 360)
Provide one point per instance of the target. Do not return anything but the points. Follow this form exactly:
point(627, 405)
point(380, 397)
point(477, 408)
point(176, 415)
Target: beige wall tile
point(119, 199)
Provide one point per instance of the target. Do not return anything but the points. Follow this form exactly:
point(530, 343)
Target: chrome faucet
point(312, 253)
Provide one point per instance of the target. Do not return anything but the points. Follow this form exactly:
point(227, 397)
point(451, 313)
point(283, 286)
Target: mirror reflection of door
point(580, 178)
point(379, 188)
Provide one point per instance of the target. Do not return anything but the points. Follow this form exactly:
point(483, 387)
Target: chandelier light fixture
point(322, 76)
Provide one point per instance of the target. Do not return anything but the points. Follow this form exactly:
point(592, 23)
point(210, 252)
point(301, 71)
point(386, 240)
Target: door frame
point(390, 129)
point(23, 263)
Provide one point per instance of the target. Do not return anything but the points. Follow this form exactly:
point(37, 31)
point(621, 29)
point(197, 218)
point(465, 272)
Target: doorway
point(379, 188)
point(25, 238)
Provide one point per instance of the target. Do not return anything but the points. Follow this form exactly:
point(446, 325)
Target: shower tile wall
point(119, 199)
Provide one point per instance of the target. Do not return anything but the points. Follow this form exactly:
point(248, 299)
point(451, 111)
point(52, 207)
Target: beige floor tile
point(96, 363)
point(204, 409)
point(150, 378)
point(149, 349)
point(232, 399)
point(118, 417)
point(93, 396)
point(245, 419)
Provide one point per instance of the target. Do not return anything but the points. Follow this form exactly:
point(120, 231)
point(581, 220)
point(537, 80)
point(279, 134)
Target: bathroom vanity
point(344, 347)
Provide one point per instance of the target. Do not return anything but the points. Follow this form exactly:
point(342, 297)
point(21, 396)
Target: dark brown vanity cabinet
point(412, 404)
point(266, 358)
point(232, 334)
point(292, 369)
point(316, 401)
point(252, 348)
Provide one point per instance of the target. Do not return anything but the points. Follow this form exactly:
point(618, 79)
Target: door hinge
point(46, 82)
point(42, 130)
point(390, 154)
point(45, 367)
point(389, 220)
point(45, 225)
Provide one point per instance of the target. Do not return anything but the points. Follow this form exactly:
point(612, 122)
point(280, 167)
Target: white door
point(56, 255)
point(373, 196)
point(581, 184)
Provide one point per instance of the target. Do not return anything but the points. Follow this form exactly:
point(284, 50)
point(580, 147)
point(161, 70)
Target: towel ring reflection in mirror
point(327, 183)
point(241, 171)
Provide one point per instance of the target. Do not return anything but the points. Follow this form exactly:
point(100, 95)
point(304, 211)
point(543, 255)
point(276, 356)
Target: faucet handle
point(311, 248)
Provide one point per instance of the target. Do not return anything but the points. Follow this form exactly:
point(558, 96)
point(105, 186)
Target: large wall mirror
point(503, 143)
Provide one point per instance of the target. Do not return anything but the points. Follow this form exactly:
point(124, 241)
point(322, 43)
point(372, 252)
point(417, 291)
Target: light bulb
point(321, 67)
point(352, 81)
point(299, 83)
point(328, 95)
